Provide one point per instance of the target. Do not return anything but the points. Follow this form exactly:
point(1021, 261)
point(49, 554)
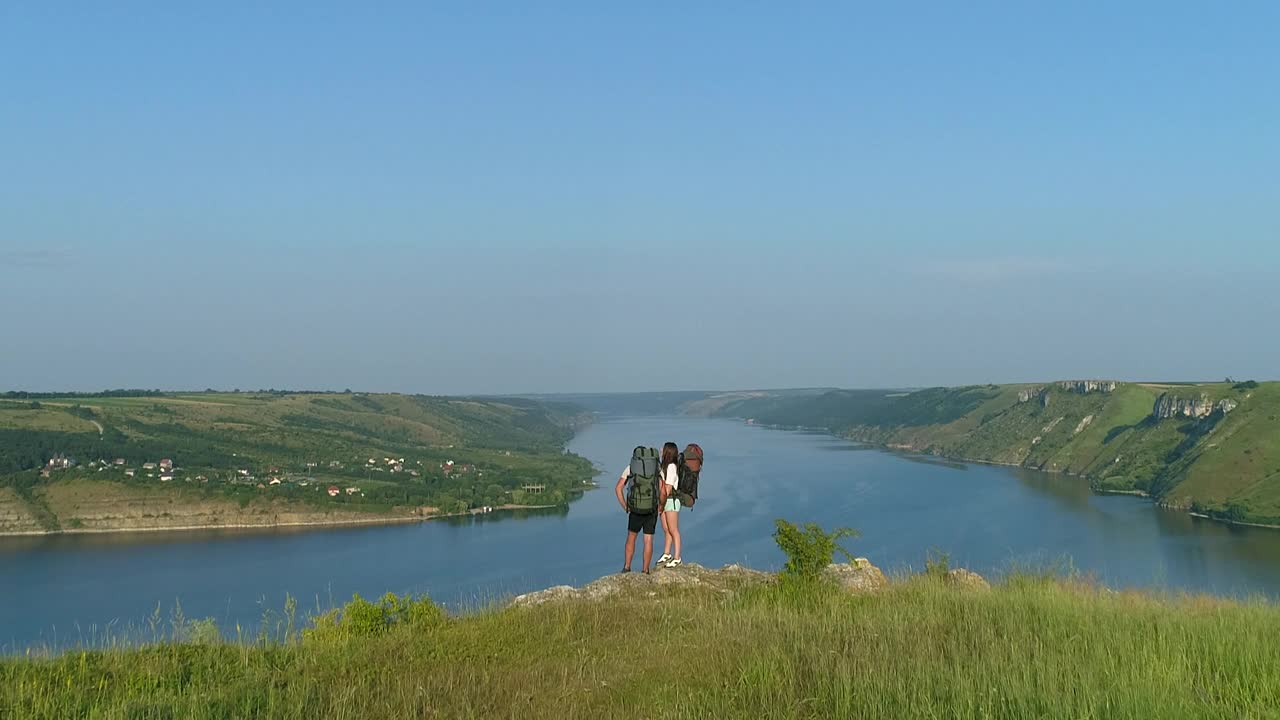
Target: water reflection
point(501, 514)
point(931, 460)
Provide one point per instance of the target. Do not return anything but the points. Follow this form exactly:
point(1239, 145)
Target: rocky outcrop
point(966, 580)
point(858, 577)
point(1170, 406)
point(1081, 387)
point(15, 515)
point(727, 580)
point(1084, 423)
point(1040, 393)
point(1053, 424)
point(1084, 387)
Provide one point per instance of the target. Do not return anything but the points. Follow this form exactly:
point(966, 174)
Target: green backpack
point(642, 484)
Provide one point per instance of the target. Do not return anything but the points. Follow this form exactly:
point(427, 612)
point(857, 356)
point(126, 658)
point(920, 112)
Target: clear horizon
point(513, 200)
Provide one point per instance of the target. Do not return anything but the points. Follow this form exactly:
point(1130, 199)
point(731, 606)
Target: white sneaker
point(674, 563)
point(666, 558)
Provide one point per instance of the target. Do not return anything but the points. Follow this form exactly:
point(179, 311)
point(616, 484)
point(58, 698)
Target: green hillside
point(1213, 449)
point(386, 452)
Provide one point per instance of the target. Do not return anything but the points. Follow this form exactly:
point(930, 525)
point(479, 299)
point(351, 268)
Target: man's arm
point(617, 490)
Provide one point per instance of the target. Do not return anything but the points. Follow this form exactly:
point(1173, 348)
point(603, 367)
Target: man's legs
point(648, 549)
point(631, 550)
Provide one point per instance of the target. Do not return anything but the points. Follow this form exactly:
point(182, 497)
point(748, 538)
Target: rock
point(726, 580)
point(1029, 394)
point(966, 580)
point(1083, 424)
point(1049, 428)
point(559, 592)
point(858, 577)
point(1084, 387)
point(1169, 405)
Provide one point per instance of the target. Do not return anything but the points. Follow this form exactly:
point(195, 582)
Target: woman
point(671, 508)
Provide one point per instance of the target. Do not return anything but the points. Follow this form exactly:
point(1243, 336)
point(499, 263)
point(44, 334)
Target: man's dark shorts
point(647, 522)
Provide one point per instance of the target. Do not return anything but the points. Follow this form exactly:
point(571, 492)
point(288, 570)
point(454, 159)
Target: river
point(64, 590)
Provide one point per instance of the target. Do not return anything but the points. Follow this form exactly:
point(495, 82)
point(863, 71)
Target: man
point(640, 495)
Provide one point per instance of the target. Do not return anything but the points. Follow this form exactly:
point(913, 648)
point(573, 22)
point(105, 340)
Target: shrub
point(361, 618)
point(937, 563)
point(810, 549)
point(203, 632)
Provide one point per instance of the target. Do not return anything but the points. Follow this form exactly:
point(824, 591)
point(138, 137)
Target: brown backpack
point(687, 485)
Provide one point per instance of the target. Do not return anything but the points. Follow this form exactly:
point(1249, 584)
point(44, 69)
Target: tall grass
point(1033, 647)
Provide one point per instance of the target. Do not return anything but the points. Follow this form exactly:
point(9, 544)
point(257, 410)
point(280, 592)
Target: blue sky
point(453, 198)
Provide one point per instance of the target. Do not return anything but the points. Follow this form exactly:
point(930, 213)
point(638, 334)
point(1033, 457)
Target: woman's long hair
point(670, 455)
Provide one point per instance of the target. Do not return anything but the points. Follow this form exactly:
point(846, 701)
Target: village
point(164, 470)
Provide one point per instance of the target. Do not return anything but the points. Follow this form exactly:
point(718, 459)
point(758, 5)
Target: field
point(1223, 460)
point(1033, 646)
point(271, 457)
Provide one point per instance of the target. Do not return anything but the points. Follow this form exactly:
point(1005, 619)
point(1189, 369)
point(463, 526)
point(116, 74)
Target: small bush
point(203, 632)
point(937, 564)
point(810, 549)
point(361, 618)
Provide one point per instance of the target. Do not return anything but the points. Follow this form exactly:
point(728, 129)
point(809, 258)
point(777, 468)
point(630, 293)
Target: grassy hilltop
point(1212, 448)
point(1031, 647)
point(270, 458)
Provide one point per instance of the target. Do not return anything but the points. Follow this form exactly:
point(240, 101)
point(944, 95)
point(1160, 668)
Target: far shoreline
point(316, 524)
point(897, 449)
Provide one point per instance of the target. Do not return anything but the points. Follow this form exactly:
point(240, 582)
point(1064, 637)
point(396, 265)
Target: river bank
point(911, 450)
point(328, 523)
point(94, 508)
point(1116, 491)
point(318, 524)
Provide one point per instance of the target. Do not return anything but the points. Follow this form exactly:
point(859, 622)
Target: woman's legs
point(666, 534)
point(671, 527)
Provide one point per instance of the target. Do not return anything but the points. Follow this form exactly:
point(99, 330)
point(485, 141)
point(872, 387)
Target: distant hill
point(1210, 448)
point(117, 460)
point(700, 403)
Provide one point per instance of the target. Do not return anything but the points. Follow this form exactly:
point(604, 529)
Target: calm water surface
point(64, 590)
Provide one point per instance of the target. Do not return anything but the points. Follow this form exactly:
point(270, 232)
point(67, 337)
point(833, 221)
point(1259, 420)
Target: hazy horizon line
point(563, 393)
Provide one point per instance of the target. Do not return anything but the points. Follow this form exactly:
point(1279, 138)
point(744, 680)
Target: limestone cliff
point(1030, 394)
point(1084, 387)
point(1080, 387)
point(1169, 406)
